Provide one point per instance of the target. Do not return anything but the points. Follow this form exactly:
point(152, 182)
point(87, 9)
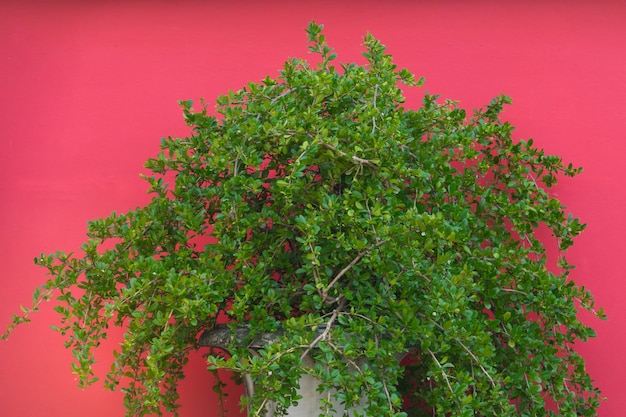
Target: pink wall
point(88, 88)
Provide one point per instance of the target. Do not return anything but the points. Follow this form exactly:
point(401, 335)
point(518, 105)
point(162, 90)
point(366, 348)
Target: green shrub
point(316, 208)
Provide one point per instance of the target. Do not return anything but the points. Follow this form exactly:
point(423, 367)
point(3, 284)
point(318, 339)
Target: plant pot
point(312, 402)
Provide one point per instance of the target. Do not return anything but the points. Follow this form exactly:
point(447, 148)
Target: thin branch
point(283, 94)
point(316, 274)
point(443, 371)
point(387, 394)
point(324, 334)
point(514, 290)
point(477, 361)
point(373, 118)
point(351, 265)
point(375, 94)
point(385, 382)
point(258, 412)
point(474, 357)
point(354, 158)
point(406, 148)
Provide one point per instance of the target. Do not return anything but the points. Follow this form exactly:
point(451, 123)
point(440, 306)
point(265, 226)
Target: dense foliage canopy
point(314, 206)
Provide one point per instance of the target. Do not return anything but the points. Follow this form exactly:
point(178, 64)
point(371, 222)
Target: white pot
point(310, 405)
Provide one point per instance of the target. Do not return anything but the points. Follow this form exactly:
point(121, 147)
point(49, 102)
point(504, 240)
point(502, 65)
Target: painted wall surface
point(88, 88)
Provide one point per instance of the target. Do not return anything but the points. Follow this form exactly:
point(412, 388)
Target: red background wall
point(88, 88)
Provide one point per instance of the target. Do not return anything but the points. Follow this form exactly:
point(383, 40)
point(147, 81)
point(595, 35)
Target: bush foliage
point(316, 207)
